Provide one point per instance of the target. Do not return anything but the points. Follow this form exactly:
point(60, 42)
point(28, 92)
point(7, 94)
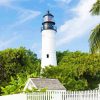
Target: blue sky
point(20, 23)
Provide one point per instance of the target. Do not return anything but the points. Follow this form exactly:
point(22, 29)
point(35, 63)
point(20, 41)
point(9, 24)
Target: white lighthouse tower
point(48, 41)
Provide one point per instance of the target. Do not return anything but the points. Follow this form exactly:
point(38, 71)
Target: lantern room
point(48, 22)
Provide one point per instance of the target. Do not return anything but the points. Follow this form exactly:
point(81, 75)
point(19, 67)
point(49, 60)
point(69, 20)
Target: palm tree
point(96, 8)
point(94, 39)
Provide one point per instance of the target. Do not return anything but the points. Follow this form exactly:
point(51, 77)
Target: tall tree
point(94, 39)
point(76, 70)
point(96, 8)
point(17, 62)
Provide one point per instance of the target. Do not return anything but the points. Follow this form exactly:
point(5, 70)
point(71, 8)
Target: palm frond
point(94, 40)
point(96, 8)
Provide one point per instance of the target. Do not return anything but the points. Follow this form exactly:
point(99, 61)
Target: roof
point(48, 14)
point(50, 84)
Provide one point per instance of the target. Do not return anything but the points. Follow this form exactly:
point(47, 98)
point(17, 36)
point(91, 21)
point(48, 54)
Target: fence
point(65, 95)
point(55, 95)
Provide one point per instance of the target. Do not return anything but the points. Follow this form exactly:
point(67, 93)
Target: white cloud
point(80, 24)
point(59, 3)
point(5, 44)
point(63, 1)
point(9, 2)
point(5, 2)
point(24, 15)
point(27, 15)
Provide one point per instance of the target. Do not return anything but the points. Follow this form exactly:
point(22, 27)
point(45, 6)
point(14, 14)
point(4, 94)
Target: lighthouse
point(48, 41)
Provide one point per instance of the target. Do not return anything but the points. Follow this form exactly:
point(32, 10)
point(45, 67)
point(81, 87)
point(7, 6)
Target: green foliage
point(96, 8)
point(76, 70)
point(14, 86)
point(59, 56)
point(35, 90)
point(17, 63)
point(94, 39)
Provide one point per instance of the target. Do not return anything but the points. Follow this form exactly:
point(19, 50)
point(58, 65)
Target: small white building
point(40, 83)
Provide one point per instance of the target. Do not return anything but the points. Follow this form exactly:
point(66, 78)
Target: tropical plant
point(94, 39)
point(14, 86)
point(96, 8)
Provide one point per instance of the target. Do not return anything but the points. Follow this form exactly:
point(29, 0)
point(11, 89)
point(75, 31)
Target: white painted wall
point(14, 97)
point(48, 47)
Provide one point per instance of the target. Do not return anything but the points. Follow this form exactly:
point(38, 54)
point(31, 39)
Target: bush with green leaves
point(76, 70)
point(15, 64)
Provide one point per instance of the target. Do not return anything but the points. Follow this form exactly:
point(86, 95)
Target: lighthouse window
point(48, 18)
point(47, 55)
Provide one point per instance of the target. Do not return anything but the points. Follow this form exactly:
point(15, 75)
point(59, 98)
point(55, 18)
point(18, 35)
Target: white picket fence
point(55, 95)
point(65, 95)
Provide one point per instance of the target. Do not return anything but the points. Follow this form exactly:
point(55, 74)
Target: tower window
point(47, 55)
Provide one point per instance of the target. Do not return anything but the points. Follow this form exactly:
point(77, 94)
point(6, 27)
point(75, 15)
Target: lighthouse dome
point(48, 17)
point(48, 22)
